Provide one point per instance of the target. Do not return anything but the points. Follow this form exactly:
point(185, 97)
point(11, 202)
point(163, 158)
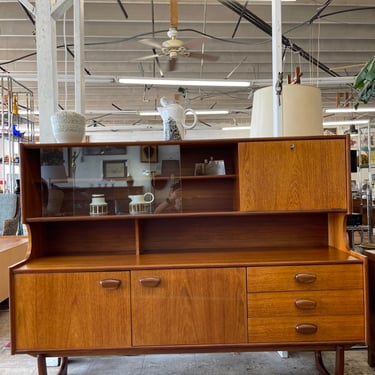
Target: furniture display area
point(9, 214)
point(363, 179)
point(16, 111)
point(255, 259)
point(12, 250)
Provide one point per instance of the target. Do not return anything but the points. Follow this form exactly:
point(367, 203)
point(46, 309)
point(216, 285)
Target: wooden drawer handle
point(110, 283)
point(150, 282)
point(305, 278)
point(306, 328)
point(305, 304)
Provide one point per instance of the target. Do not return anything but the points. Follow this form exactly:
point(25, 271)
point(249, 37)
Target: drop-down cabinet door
point(294, 175)
point(189, 306)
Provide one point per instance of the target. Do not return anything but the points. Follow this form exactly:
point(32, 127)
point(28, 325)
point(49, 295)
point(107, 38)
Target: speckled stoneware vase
point(68, 126)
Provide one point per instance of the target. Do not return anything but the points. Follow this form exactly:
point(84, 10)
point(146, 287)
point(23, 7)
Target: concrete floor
point(264, 363)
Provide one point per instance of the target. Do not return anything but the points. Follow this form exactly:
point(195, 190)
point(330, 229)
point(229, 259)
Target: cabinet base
point(339, 370)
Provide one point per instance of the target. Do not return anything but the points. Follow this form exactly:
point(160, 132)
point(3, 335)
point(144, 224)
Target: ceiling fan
point(174, 47)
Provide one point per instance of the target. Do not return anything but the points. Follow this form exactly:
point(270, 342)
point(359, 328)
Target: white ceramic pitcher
point(173, 116)
point(141, 204)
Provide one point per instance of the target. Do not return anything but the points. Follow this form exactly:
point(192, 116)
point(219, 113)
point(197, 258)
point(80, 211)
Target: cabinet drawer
point(284, 278)
point(306, 303)
point(284, 330)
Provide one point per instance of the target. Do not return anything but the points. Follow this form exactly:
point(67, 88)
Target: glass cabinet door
point(97, 181)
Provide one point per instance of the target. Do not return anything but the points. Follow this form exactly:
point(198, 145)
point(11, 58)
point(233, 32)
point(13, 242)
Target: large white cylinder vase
point(68, 126)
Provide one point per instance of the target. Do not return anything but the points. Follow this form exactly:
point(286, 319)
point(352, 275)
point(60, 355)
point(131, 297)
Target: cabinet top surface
point(268, 257)
point(184, 142)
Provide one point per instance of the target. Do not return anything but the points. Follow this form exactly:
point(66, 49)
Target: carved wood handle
point(305, 304)
point(110, 283)
point(306, 328)
point(305, 278)
point(150, 282)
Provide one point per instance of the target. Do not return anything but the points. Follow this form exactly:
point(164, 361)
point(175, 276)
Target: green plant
point(365, 83)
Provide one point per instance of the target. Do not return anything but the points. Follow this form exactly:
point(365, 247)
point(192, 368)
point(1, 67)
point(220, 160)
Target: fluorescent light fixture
point(198, 112)
point(350, 110)
point(348, 122)
point(237, 128)
point(184, 82)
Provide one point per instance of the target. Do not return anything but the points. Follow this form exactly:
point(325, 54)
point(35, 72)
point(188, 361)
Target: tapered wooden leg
point(319, 363)
point(340, 360)
point(42, 365)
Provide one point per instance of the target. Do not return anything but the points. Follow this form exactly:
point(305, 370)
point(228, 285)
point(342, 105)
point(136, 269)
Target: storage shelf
point(178, 215)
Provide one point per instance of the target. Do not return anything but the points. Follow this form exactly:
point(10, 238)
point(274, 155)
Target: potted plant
point(365, 83)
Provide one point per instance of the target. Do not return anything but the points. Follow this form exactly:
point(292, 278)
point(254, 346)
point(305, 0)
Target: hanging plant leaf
point(365, 83)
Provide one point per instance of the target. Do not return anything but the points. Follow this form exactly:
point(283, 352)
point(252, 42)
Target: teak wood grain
point(71, 311)
point(299, 175)
point(190, 307)
point(257, 260)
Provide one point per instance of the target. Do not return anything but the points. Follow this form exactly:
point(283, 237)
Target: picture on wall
point(149, 154)
point(114, 169)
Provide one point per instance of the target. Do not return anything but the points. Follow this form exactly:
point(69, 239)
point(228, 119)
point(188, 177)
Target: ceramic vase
point(68, 126)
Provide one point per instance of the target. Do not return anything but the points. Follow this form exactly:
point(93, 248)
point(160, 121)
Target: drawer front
point(306, 303)
point(308, 329)
point(285, 278)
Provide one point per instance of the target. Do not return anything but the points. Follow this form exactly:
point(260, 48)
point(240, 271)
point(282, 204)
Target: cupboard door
point(71, 311)
point(294, 175)
point(189, 307)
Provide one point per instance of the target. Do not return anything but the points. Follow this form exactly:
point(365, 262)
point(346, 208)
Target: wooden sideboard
point(257, 259)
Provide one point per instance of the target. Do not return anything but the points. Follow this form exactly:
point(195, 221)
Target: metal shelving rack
point(366, 179)
point(16, 125)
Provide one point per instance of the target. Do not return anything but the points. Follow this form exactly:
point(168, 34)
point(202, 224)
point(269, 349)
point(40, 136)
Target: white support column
point(79, 56)
point(47, 68)
point(277, 67)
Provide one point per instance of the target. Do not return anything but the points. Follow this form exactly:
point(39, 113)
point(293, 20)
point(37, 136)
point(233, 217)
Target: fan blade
point(172, 65)
point(148, 57)
point(158, 63)
point(151, 42)
point(194, 42)
point(173, 13)
point(205, 56)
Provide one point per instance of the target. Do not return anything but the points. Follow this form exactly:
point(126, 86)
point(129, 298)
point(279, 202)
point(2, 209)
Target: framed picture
point(114, 169)
point(149, 154)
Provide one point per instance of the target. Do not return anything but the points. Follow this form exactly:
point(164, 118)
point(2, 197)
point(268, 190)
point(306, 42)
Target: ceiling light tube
point(349, 110)
point(184, 82)
point(348, 122)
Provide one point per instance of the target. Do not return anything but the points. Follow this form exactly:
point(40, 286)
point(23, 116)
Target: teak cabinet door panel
point(72, 310)
point(189, 307)
point(293, 175)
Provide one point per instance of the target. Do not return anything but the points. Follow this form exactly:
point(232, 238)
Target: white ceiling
point(340, 34)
